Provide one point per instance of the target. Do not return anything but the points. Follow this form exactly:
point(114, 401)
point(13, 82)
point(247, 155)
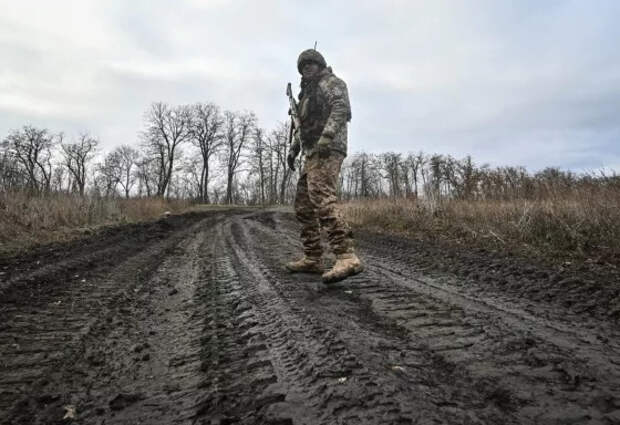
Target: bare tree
point(274, 165)
point(392, 166)
point(237, 130)
point(258, 161)
point(191, 169)
point(415, 163)
point(206, 134)
point(279, 146)
point(216, 194)
point(58, 178)
point(436, 176)
point(147, 171)
point(108, 175)
point(363, 175)
point(32, 148)
point(166, 129)
point(12, 176)
point(127, 159)
point(76, 157)
point(467, 178)
point(183, 186)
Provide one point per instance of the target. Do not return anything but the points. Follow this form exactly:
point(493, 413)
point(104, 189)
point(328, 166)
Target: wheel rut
point(532, 369)
point(90, 342)
point(394, 381)
point(198, 322)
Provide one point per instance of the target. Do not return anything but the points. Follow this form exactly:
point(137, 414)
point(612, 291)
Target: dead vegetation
point(49, 195)
point(550, 214)
point(27, 220)
point(581, 223)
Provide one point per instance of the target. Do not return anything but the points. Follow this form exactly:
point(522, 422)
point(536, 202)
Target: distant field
point(580, 225)
point(31, 220)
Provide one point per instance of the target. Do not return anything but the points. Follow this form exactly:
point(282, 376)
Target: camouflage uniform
point(324, 110)
point(315, 206)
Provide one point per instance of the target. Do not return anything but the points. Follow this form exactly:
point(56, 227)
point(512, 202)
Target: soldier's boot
point(346, 265)
point(305, 265)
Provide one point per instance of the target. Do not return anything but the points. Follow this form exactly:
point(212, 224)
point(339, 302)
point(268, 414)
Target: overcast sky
point(532, 83)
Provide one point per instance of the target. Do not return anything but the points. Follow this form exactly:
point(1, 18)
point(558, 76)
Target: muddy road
point(193, 320)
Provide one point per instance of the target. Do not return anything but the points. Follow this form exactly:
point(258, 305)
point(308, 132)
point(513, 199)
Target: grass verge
point(576, 226)
point(27, 221)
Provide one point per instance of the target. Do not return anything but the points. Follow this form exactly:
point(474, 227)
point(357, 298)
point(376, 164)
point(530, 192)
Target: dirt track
point(193, 320)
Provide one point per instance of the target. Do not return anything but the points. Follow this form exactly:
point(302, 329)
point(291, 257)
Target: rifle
point(295, 121)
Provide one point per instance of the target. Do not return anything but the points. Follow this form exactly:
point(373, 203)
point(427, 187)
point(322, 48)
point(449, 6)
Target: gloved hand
point(323, 146)
point(290, 160)
point(293, 152)
point(296, 143)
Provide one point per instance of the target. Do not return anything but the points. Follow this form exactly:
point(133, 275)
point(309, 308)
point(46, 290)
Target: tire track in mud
point(319, 370)
point(297, 371)
point(590, 299)
point(147, 364)
point(202, 325)
point(240, 382)
point(516, 363)
point(55, 330)
point(393, 381)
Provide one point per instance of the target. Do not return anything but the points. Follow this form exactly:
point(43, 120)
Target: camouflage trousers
point(316, 209)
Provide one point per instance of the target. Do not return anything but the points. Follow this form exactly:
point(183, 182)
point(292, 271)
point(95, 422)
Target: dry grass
point(580, 224)
point(26, 220)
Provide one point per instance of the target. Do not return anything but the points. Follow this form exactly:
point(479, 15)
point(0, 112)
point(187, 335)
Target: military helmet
point(310, 55)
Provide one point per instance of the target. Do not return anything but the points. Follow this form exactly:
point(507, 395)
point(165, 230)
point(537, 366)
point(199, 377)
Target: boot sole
point(355, 271)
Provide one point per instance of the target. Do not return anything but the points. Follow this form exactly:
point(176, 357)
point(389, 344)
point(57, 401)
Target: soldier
point(324, 111)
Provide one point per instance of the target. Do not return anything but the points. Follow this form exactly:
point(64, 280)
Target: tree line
point(436, 177)
point(202, 153)
point(196, 152)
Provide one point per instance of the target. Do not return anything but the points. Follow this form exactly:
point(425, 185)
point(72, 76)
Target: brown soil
point(193, 320)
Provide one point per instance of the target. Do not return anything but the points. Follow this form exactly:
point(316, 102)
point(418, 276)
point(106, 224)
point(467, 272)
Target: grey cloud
point(525, 83)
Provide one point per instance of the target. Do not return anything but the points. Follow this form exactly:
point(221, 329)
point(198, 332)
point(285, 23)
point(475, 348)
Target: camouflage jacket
point(324, 109)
